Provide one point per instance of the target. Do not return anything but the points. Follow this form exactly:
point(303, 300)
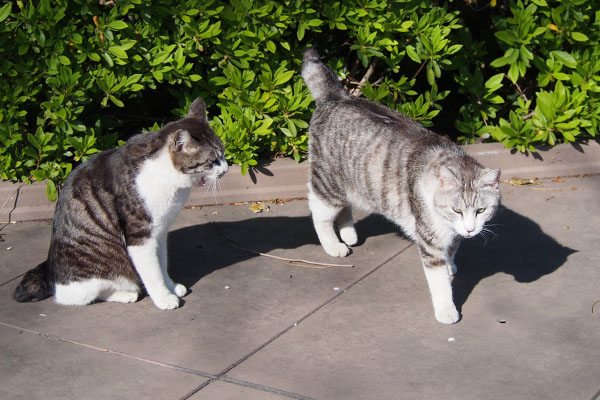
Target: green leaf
point(568, 136)
point(39, 175)
point(51, 192)
point(117, 24)
point(566, 58)
point(508, 37)
point(300, 32)
point(580, 37)
point(5, 11)
point(499, 62)
point(513, 72)
point(108, 59)
point(33, 141)
point(116, 101)
point(495, 82)
point(118, 51)
point(64, 60)
point(410, 51)
point(430, 76)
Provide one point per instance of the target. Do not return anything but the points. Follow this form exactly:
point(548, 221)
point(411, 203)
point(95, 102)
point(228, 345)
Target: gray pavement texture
point(254, 327)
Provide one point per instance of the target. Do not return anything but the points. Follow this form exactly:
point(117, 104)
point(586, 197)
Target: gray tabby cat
point(365, 155)
point(109, 233)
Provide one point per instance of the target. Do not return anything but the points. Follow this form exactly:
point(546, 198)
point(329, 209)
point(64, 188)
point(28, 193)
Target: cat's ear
point(489, 178)
point(182, 139)
point(197, 110)
point(447, 177)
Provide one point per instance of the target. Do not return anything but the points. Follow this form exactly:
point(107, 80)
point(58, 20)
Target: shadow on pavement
point(520, 248)
point(198, 250)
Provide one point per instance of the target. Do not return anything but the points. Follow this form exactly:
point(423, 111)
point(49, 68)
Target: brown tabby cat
point(109, 233)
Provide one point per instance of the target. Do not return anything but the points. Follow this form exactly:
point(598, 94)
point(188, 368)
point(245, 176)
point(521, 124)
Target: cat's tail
point(323, 83)
point(34, 286)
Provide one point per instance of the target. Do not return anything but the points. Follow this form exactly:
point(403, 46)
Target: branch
point(292, 261)
point(356, 91)
point(419, 70)
point(518, 88)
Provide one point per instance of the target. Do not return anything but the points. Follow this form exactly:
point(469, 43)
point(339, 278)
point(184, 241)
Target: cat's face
point(467, 202)
point(195, 149)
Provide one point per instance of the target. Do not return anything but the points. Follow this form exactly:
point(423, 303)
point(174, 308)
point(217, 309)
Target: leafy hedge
point(81, 76)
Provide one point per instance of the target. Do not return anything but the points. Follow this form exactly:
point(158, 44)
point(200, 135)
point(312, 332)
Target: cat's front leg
point(437, 274)
point(323, 216)
point(145, 259)
point(177, 288)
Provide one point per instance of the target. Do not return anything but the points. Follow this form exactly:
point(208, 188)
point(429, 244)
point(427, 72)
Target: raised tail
point(321, 81)
point(34, 286)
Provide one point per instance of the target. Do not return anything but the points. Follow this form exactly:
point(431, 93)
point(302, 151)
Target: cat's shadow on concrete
point(518, 247)
point(198, 250)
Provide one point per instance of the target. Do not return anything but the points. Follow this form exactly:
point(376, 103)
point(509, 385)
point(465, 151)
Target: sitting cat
point(365, 155)
point(109, 233)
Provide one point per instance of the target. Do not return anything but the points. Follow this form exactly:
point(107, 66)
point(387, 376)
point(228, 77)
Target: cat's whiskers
point(487, 234)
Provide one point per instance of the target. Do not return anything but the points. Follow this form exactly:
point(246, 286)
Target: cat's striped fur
point(109, 233)
point(365, 155)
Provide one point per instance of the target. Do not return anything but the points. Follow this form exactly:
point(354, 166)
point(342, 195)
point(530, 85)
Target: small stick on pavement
point(594, 305)
point(291, 261)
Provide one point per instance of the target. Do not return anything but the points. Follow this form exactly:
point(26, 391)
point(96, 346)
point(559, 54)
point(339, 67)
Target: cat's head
point(194, 148)
point(467, 197)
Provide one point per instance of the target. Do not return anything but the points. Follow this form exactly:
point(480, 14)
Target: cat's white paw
point(180, 290)
point(447, 315)
point(452, 269)
point(337, 250)
point(167, 302)
point(349, 236)
point(123, 297)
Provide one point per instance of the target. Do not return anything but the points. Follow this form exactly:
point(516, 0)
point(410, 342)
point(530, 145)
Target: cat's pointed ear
point(182, 139)
point(489, 178)
point(197, 110)
point(447, 177)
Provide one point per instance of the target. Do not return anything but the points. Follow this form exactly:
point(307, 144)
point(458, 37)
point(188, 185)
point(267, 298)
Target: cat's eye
point(480, 210)
point(457, 210)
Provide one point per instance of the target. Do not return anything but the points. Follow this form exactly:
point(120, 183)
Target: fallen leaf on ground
point(258, 207)
point(523, 182)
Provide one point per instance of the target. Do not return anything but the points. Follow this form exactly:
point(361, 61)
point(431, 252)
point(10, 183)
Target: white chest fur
point(163, 189)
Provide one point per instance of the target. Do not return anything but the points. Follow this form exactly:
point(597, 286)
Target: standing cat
point(109, 233)
point(365, 155)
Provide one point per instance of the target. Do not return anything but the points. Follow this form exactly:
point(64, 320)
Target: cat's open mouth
point(201, 181)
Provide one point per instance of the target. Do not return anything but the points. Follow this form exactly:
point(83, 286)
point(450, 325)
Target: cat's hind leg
point(78, 293)
point(324, 215)
point(346, 225)
point(121, 291)
point(81, 293)
point(121, 297)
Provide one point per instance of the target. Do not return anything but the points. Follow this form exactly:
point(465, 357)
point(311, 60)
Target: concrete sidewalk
point(255, 327)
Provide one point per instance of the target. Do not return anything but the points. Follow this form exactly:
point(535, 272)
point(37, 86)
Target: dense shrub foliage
point(79, 76)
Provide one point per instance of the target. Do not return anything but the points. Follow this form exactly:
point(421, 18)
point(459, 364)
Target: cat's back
point(99, 196)
point(353, 114)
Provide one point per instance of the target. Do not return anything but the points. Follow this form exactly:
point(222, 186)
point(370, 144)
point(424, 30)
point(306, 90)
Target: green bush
point(79, 77)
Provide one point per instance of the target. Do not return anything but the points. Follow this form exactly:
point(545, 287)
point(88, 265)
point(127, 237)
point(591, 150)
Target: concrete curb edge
point(286, 179)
